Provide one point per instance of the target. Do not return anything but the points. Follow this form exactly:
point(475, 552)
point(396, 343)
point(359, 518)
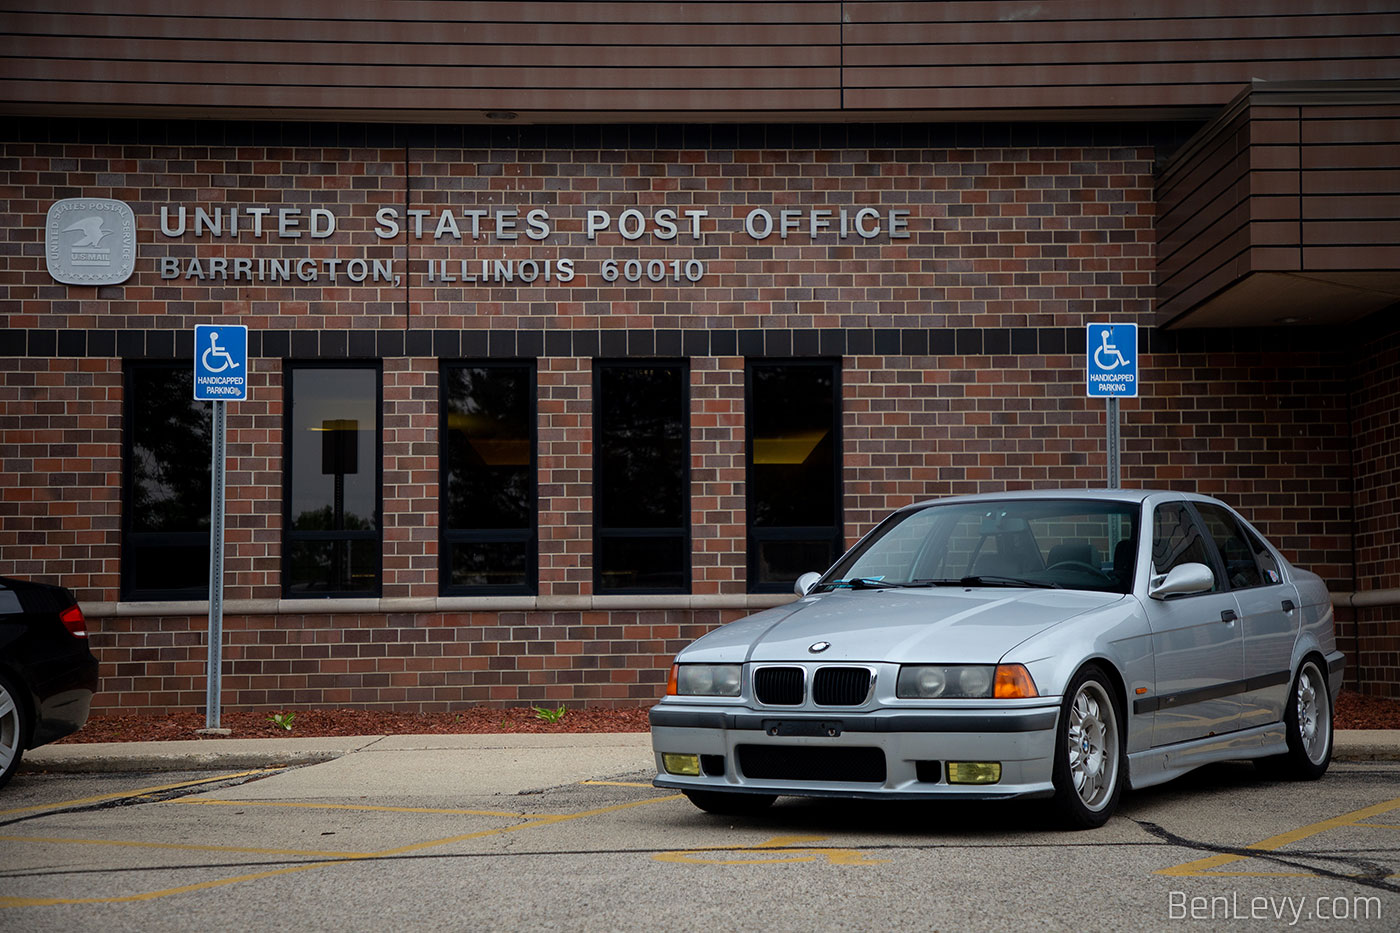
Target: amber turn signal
point(1013, 682)
point(671, 683)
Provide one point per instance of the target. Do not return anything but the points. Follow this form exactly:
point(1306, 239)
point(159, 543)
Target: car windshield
point(1080, 544)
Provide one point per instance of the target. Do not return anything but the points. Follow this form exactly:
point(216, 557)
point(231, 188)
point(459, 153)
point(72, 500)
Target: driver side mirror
point(806, 582)
point(1181, 580)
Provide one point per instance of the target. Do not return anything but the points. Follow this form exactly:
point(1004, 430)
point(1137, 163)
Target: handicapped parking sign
point(220, 362)
point(1112, 361)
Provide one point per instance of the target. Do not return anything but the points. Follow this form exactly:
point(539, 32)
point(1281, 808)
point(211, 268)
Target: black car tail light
point(72, 619)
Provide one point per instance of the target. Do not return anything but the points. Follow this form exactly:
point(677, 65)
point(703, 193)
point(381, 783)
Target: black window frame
point(685, 531)
point(531, 535)
point(132, 540)
point(836, 533)
point(289, 370)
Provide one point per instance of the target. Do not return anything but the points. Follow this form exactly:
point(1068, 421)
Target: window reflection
point(165, 548)
point(793, 471)
point(333, 493)
point(641, 478)
point(488, 478)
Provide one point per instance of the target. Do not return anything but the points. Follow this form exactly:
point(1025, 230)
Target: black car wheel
point(731, 804)
point(13, 722)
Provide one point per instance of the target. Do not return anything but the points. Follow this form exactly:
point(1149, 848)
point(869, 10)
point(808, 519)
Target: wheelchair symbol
point(1108, 352)
point(217, 352)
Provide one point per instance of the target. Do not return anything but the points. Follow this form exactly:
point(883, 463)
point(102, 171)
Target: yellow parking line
point(340, 858)
point(618, 783)
point(785, 849)
point(1204, 865)
point(344, 806)
point(543, 820)
point(117, 795)
point(136, 844)
point(152, 895)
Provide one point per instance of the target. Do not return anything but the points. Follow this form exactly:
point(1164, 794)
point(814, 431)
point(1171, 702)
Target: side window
point(165, 521)
point(1268, 564)
point(1240, 566)
point(1177, 539)
point(488, 484)
point(331, 537)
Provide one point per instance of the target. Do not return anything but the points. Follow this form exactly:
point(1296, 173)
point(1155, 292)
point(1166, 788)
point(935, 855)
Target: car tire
point(1307, 723)
point(724, 804)
point(13, 728)
point(1090, 757)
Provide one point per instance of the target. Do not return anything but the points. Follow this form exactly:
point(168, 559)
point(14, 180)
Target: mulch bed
point(1354, 711)
point(334, 722)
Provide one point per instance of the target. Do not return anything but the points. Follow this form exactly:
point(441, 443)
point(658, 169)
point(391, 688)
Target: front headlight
point(963, 681)
point(933, 681)
point(705, 680)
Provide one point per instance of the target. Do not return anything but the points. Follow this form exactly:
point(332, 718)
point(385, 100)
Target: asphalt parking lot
point(497, 835)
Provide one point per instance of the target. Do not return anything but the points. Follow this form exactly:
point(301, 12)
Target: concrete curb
point(194, 755)
point(240, 754)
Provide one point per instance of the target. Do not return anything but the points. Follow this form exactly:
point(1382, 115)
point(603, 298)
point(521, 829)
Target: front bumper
point(742, 750)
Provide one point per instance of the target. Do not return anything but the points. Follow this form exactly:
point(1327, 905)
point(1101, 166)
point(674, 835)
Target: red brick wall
point(961, 348)
point(422, 661)
point(719, 535)
point(1376, 414)
point(566, 477)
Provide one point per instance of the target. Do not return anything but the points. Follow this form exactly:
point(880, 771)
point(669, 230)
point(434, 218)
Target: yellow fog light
point(688, 765)
point(974, 772)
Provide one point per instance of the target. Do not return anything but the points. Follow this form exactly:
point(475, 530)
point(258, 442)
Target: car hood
point(953, 625)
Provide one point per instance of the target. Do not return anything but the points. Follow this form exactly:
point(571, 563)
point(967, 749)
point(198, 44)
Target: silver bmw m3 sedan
point(1056, 644)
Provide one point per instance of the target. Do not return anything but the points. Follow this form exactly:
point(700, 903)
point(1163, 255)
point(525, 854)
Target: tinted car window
point(1241, 567)
point(1177, 539)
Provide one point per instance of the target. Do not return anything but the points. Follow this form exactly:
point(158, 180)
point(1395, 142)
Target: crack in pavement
point(1372, 874)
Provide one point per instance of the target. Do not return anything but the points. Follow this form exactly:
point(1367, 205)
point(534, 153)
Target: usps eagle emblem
point(90, 241)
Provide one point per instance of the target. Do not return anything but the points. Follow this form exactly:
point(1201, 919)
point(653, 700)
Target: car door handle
point(1288, 605)
point(1229, 616)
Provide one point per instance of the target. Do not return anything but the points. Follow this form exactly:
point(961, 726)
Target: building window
point(641, 478)
point(488, 478)
point(332, 482)
point(794, 471)
point(165, 522)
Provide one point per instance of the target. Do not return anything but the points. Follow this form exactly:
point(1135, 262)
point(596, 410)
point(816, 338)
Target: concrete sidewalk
point(217, 753)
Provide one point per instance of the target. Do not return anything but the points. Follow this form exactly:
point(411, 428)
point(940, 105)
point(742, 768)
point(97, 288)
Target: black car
point(47, 672)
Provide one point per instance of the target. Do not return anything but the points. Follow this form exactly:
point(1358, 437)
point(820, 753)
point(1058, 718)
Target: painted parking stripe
point(203, 802)
point(1204, 867)
point(531, 822)
point(779, 850)
point(183, 846)
point(117, 795)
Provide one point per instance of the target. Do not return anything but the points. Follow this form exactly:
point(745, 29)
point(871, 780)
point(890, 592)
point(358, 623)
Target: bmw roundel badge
point(819, 647)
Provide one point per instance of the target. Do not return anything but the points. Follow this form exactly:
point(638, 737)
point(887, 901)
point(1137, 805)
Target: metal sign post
point(214, 681)
point(1111, 373)
point(220, 376)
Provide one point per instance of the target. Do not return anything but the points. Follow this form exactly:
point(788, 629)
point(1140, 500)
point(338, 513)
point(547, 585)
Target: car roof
point(1098, 494)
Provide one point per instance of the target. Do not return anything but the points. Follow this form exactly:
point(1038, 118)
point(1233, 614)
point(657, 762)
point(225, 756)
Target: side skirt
point(1157, 765)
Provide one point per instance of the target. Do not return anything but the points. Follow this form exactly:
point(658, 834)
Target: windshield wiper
point(994, 580)
point(862, 583)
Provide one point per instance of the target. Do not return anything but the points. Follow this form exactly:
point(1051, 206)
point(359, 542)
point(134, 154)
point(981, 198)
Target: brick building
point(575, 330)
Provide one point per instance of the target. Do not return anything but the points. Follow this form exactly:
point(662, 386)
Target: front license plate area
point(826, 728)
